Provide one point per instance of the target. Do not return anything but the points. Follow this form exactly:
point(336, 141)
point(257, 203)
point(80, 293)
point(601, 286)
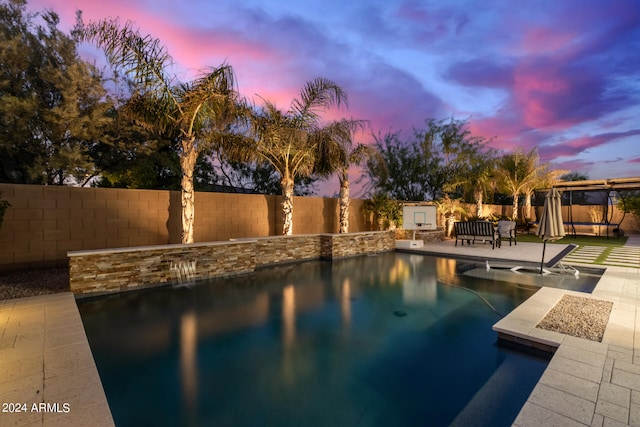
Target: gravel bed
point(33, 282)
point(579, 317)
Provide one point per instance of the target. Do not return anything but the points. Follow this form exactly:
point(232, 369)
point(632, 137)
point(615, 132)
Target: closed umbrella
point(550, 225)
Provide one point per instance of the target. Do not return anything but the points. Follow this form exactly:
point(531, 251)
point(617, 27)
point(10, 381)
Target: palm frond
point(316, 95)
point(143, 58)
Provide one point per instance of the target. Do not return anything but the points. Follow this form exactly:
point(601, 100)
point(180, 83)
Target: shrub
point(4, 205)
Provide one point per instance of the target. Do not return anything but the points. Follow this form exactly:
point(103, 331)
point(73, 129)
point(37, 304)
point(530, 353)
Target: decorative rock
point(579, 317)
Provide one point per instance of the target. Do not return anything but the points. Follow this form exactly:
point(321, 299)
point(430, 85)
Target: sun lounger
point(553, 265)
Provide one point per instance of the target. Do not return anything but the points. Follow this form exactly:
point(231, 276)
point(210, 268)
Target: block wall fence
point(45, 222)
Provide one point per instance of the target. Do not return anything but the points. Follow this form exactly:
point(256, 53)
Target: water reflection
point(419, 287)
point(288, 317)
point(446, 270)
point(188, 361)
point(345, 304)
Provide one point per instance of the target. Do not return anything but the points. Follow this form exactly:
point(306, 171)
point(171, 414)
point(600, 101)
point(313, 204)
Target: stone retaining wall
point(116, 270)
point(352, 244)
point(119, 270)
point(281, 249)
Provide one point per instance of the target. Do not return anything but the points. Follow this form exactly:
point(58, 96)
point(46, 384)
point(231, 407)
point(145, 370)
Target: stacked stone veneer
point(280, 249)
point(345, 245)
point(116, 270)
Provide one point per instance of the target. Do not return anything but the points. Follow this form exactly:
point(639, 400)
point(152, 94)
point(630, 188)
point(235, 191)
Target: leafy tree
point(217, 172)
point(574, 176)
point(338, 154)
point(290, 141)
point(469, 165)
point(52, 104)
point(629, 202)
point(195, 115)
point(385, 212)
point(157, 169)
point(444, 158)
point(402, 169)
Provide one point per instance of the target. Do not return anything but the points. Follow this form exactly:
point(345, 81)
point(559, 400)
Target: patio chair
point(507, 230)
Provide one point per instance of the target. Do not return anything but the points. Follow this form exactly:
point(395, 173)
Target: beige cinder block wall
point(44, 222)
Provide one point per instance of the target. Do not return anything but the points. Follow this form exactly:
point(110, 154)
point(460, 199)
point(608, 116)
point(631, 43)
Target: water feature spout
point(184, 272)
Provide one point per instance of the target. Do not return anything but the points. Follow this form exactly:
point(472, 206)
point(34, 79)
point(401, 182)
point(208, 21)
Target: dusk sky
point(560, 75)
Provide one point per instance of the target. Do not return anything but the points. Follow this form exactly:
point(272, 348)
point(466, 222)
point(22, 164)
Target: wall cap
point(156, 247)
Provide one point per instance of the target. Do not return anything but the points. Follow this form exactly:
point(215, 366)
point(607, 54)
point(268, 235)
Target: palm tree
point(290, 140)
point(337, 154)
point(185, 112)
point(521, 173)
point(478, 179)
point(451, 210)
point(546, 178)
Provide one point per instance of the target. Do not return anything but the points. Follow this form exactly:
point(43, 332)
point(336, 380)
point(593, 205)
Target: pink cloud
point(577, 146)
point(545, 40)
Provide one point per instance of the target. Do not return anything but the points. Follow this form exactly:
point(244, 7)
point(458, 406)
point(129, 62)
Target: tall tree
point(53, 105)
point(289, 140)
point(519, 173)
point(574, 176)
point(468, 161)
point(183, 112)
point(404, 170)
point(216, 172)
point(337, 154)
point(444, 158)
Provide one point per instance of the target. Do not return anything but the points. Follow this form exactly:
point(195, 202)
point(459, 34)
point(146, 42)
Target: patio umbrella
point(550, 226)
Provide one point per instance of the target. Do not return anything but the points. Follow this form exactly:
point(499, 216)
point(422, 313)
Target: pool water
point(394, 339)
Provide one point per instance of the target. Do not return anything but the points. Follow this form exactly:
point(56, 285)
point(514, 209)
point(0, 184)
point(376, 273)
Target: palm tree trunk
point(344, 203)
point(187, 164)
point(527, 205)
point(479, 200)
point(514, 214)
point(287, 204)
point(450, 221)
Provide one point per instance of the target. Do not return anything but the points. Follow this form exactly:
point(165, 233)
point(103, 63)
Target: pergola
point(591, 192)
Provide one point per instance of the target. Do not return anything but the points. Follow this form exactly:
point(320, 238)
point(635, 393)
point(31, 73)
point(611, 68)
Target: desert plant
point(385, 213)
point(595, 215)
point(451, 211)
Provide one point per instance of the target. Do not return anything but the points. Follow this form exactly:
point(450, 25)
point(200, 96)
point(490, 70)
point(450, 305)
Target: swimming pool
point(394, 339)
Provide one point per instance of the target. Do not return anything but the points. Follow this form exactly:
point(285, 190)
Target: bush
point(384, 213)
point(4, 205)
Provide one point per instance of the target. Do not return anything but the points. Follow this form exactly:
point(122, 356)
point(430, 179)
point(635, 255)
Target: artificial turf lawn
point(579, 240)
point(582, 241)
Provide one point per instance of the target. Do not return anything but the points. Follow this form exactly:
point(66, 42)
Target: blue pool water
point(393, 339)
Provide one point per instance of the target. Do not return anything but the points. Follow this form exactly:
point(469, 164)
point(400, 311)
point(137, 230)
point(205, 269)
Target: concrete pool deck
point(47, 372)
point(45, 356)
